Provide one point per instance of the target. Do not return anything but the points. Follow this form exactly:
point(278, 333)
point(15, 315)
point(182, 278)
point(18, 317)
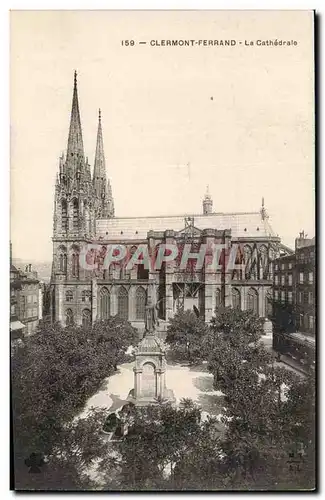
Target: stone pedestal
point(150, 373)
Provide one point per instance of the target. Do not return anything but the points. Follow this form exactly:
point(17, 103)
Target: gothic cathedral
point(84, 214)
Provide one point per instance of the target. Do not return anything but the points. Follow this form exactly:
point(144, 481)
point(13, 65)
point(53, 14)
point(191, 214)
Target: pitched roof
point(244, 224)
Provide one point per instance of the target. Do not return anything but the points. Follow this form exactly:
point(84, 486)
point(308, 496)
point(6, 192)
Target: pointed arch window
point(236, 298)
point(269, 307)
point(86, 216)
point(262, 262)
point(105, 303)
point(75, 214)
point(69, 320)
point(64, 215)
point(218, 297)
point(75, 265)
point(63, 262)
point(86, 318)
point(248, 261)
point(86, 295)
point(140, 302)
point(252, 300)
point(123, 303)
point(69, 296)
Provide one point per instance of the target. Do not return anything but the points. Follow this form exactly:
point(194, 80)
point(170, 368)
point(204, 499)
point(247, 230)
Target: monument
point(150, 362)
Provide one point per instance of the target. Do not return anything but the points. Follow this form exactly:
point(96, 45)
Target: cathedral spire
point(99, 165)
point(75, 143)
point(102, 188)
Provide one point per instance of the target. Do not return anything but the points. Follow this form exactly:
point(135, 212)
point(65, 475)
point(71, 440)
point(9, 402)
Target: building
point(284, 293)
point(25, 301)
point(84, 215)
point(294, 288)
point(305, 300)
point(294, 300)
point(16, 326)
point(29, 298)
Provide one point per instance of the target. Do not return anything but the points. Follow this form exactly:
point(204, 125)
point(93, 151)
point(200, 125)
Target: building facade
point(294, 304)
point(294, 289)
point(29, 300)
point(284, 280)
point(305, 299)
point(16, 326)
point(25, 301)
point(84, 215)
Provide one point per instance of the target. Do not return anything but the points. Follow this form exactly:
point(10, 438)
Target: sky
point(175, 119)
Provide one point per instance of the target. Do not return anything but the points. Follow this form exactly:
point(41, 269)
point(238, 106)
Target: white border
point(5, 6)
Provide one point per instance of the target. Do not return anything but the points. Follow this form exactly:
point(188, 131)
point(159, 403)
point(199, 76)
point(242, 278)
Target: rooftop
point(241, 224)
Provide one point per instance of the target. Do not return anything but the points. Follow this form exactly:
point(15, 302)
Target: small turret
point(263, 212)
point(207, 203)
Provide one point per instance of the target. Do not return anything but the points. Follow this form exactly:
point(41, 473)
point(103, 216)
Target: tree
point(299, 413)
point(184, 335)
point(232, 341)
point(237, 325)
point(54, 372)
point(114, 336)
point(67, 465)
point(200, 468)
point(153, 453)
point(259, 422)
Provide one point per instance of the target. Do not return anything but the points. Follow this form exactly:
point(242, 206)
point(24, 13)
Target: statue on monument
point(151, 311)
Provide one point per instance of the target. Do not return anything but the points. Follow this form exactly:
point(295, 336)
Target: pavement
point(185, 381)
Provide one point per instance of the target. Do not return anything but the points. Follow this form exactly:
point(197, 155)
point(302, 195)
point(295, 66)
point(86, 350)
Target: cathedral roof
point(241, 224)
